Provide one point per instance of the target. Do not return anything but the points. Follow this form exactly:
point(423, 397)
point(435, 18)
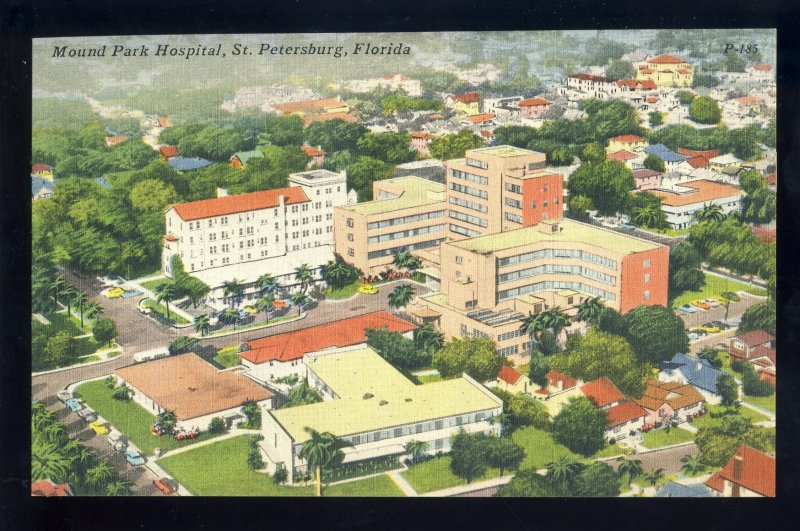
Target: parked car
point(134, 457)
point(720, 325)
point(609, 224)
point(368, 289)
point(698, 331)
point(687, 308)
point(87, 415)
point(131, 294)
point(712, 302)
point(73, 404)
point(166, 485)
point(700, 304)
point(64, 395)
point(708, 329)
point(115, 293)
point(692, 336)
point(251, 309)
point(99, 427)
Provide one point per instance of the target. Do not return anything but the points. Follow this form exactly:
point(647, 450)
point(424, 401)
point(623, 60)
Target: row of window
point(391, 251)
point(549, 285)
point(463, 231)
point(510, 335)
point(513, 217)
point(404, 234)
point(403, 220)
point(508, 351)
point(474, 220)
point(517, 189)
point(477, 164)
point(545, 254)
point(422, 427)
point(515, 203)
point(471, 177)
point(468, 204)
point(558, 269)
point(469, 190)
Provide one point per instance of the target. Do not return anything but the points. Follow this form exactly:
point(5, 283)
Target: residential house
point(667, 401)
point(42, 170)
point(693, 371)
point(188, 163)
point(41, 187)
point(514, 382)
point(534, 107)
point(666, 71)
point(505, 109)
point(479, 121)
point(168, 152)
point(683, 202)
point(671, 159)
point(586, 86)
point(317, 110)
point(761, 72)
point(637, 85)
point(420, 140)
point(743, 107)
point(647, 179)
point(239, 160)
point(758, 348)
point(48, 488)
point(316, 154)
point(749, 473)
point(671, 489)
point(112, 141)
point(632, 143)
point(468, 104)
point(765, 234)
point(625, 417)
point(722, 162)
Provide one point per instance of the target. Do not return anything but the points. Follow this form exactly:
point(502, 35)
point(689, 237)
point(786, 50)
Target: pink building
point(647, 179)
point(316, 154)
point(420, 141)
point(534, 107)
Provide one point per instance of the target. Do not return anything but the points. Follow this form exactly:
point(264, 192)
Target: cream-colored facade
point(408, 213)
point(667, 71)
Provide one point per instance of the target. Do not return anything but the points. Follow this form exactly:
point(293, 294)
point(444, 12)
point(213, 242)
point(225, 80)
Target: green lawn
point(429, 378)
point(153, 284)
point(228, 356)
point(726, 364)
point(435, 475)
point(660, 437)
point(162, 310)
point(611, 450)
point(89, 359)
point(129, 418)
point(382, 486)
point(540, 448)
point(86, 345)
point(343, 292)
point(708, 420)
point(258, 324)
point(114, 354)
point(60, 321)
point(220, 469)
point(713, 287)
point(764, 402)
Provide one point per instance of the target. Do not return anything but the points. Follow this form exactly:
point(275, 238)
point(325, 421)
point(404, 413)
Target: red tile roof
point(533, 102)
point(652, 99)
point(764, 352)
point(763, 67)
point(666, 60)
point(40, 167)
point(554, 377)
point(45, 487)
point(308, 105)
point(645, 173)
point(325, 117)
point(748, 101)
point(697, 162)
point(622, 155)
point(645, 70)
point(312, 151)
point(757, 475)
point(293, 345)
point(637, 84)
point(756, 337)
point(627, 138)
point(487, 134)
point(706, 191)
point(602, 392)
point(624, 412)
point(171, 238)
point(508, 375)
point(772, 178)
point(168, 151)
point(479, 118)
point(235, 204)
point(684, 71)
point(590, 77)
point(707, 154)
point(469, 97)
point(421, 134)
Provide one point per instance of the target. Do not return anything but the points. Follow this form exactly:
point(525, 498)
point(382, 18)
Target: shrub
point(280, 475)
point(217, 425)
point(122, 393)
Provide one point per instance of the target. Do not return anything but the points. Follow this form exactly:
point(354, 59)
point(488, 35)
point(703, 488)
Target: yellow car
point(115, 293)
point(251, 309)
point(99, 427)
point(701, 304)
point(708, 329)
point(368, 289)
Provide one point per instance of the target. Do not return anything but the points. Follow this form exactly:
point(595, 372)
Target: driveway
point(669, 459)
point(735, 311)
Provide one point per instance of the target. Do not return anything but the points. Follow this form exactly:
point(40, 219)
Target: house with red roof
point(278, 356)
point(467, 104)
point(42, 170)
point(316, 154)
point(584, 86)
point(480, 120)
point(625, 417)
point(48, 488)
point(749, 473)
point(757, 347)
point(647, 179)
point(631, 143)
point(514, 382)
point(112, 141)
point(761, 72)
point(666, 71)
point(603, 393)
point(167, 152)
point(420, 140)
point(638, 85)
point(534, 108)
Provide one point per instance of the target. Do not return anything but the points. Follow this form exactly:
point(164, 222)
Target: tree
point(685, 97)
point(48, 462)
point(597, 480)
point(548, 344)
point(69, 294)
point(393, 148)
point(593, 152)
point(579, 205)
point(406, 260)
point(99, 476)
point(59, 349)
point(711, 355)
point(760, 206)
point(416, 449)
point(322, 450)
point(233, 291)
point(166, 292)
point(525, 411)
point(118, 488)
point(685, 273)
point(230, 316)
point(396, 349)
point(727, 389)
point(505, 454)
point(428, 338)
point(363, 172)
point(182, 345)
point(252, 413)
point(104, 331)
point(454, 146)
point(539, 367)
point(759, 317)
point(300, 395)
point(335, 135)
point(529, 483)
point(600, 354)
point(709, 212)
point(217, 425)
point(718, 442)
point(78, 300)
point(266, 304)
point(656, 333)
point(656, 118)
point(563, 471)
point(620, 70)
point(168, 419)
point(705, 110)
point(266, 283)
point(401, 295)
point(654, 476)
point(152, 195)
point(580, 426)
point(475, 356)
point(467, 455)
point(753, 385)
point(631, 468)
point(254, 460)
point(589, 310)
point(92, 310)
point(606, 183)
point(57, 284)
point(202, 324)
point(194, 288)
point(692, 464)
point(302, 274)
point(651, 162)
point(337, 273)
point(299, 300)
point(533, 325)
point(649, 216)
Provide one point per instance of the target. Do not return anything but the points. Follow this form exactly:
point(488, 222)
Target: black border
point(20, 20)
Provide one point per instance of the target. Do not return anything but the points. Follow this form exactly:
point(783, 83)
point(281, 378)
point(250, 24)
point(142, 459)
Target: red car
point(166, 485)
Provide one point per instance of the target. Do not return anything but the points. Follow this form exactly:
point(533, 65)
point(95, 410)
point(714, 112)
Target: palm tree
point(337, 273)
point(590, 310)
point(555, 320)
point(303, 275)
point(649, 216)
point(202, 324)
point(631, 468)
point(427, 337)
point(416, 449)
point(48, 462)
point(534, 325)
point(401, 259)
point(299, 300)
point(266, 305)
point(99, 475)
point(168, 419)
point(654, 476)
point(564, 470)
point(56, 284)
point(55, 433)
point(692, 464)
point(233, 289)
point(709, 213)
point(266, 283)
point(401, 296)
point(79, 455)
point(118, 488)
point(166, 292)
point(69, 292)
point(320, 451)
point(230, 316)
point(503, 420)
point(78, 300)
point(92, 311)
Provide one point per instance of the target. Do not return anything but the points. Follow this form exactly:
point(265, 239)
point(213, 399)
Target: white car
point(64, 395)
point(712, 302)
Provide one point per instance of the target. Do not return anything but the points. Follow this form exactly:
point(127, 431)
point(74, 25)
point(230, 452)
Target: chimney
point(738, 463)
point(699, 365)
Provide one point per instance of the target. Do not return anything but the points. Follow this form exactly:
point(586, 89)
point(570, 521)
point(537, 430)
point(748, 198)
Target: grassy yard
point(343, 292)
point(220, 469)
point(713, 287)
point(129, 418)
point(382, 486)
point(89, 359)
point(60, 321)
point(764, 402)
point(540, 448)
point(114, 354)
point(726, 364)
point(429, 378)
point(153, 284)
point(162, 310)
point(611, 450)
point(228, 356)
point(708, 420)
point(660, 437)
point(289, 317)
point(435, 475)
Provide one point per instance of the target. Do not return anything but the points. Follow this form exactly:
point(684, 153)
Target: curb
point(232, 332)
point(78, 365)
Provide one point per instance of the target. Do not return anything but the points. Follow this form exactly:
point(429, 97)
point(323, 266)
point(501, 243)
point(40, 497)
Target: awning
point(431, 272)
point(422, 312)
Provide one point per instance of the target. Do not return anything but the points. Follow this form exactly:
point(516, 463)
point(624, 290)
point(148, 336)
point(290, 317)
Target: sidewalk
point(234, 432)
point(763, 411)
point(401, 482)
point(104, 357)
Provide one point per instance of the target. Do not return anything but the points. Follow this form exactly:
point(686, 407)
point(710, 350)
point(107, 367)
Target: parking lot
point(735, 311)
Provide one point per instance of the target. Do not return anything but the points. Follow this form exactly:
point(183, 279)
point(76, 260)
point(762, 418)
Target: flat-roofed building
point(371, 405)
point(490, 283)
point(682, 202)
point(408, 214)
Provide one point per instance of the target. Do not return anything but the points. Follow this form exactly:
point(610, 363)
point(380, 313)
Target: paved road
point(735, 310)
point(486, 492)
point(669, 459)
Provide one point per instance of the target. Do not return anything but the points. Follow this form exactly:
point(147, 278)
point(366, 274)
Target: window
point(463, 330)
point(477, 163)
point(646, 262)
point(474, 220)
point(350, 252)
point(516, 203)
point(546, 188)
point(646, 278)
point(350, 222)
point(646, 295)
point(469, 177)
point(517, 189)
point(469, 190)
point(533, 204)
point(459, 260)
point(544, 203)
point(468, 204)
point(350, 237)
point(465, 232)
point(513, 217)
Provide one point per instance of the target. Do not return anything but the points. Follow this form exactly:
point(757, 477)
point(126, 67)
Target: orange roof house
point(622, 155)
point(560, 381)
point(309, 106)
point(762, 67)
point(637, 84)
point(312, 151)
point(508, 375)
point(748, 473)
point(697, 162)
point(469, 97)
point(235, 204)
point(480, 118)
point(625, 412)
point(707, 154)
point(534, 102)
point(112, 141)
point(628, 138)
point(666, 60)
point(344, 333)
point(602, 392)
point(167, 152)
point(705, 191)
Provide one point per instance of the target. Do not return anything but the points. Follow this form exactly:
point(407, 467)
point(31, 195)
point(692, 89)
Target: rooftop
point(244, 156)
point(235, 204)
point(624, 412)
point(622, 155)
point(312, 151)
point(757, 473)
point(508, 375)
point(627, 138)
point(533, 102)
point(416, 192)
point(725, 159)
point(469, 97)
point(187, 164)
point(602, 392)
point(502, 151)
point(666, 60)
point(697, 372)
point(570, 231)
point(756, 337)
point(309, 105)
point(664, 153)
point(190, 386)
point(677, 395)
point(374, 395)
point(343, 333)
point(677, 490)
point(700, 192)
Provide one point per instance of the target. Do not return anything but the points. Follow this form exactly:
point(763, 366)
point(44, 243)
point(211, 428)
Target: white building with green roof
point(374, 407)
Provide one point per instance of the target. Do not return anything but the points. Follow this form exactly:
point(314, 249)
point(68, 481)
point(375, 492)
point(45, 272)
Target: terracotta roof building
point(235, 204)
point(167, 152)
point(191, 387)
point(508, 375)
point(706, 154)
point(682, 202)
point(637, 84)
point(603, 393)
point(469, 97)
point(749, 473)
point(667, 400)
point(625, 413)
